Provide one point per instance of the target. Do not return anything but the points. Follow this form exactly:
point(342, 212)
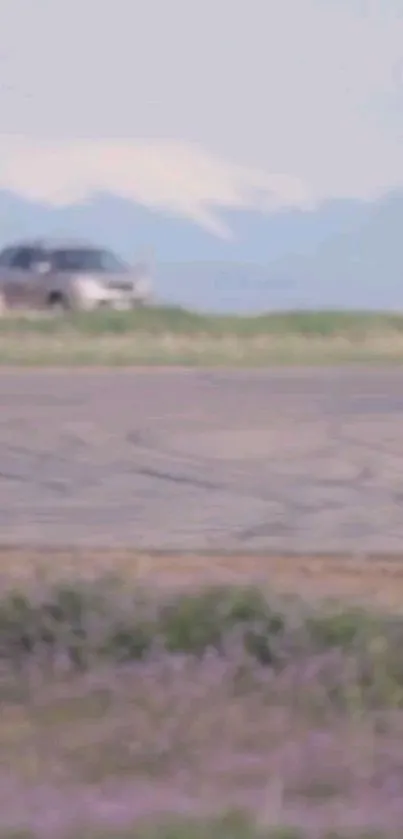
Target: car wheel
point(57, 303)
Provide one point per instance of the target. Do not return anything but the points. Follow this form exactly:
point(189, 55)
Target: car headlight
point(90, 288)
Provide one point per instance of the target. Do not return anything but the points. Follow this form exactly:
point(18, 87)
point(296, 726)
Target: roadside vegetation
point(177, 321)
point(221, 711)
point(169, 336)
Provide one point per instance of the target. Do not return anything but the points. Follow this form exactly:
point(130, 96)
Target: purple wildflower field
point(216, 713)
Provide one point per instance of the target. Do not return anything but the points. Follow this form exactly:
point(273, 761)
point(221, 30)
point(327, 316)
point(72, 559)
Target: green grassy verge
point(172, 336)
point(108, 621)
point(130, 713)
point(226, 828)
point(178, 321)
point(89, 622)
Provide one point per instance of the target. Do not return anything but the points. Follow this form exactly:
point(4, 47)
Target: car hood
point(130, 281)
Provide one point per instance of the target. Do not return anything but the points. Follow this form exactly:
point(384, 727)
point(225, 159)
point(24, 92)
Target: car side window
point(24, 258)
point(7, 256)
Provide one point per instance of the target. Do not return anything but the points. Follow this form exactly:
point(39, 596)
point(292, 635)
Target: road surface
point(285, 460)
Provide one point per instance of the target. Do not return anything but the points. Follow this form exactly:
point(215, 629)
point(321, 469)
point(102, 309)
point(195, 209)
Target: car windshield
point(86, 260)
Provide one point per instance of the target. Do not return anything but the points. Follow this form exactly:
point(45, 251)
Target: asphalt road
point(286, 460)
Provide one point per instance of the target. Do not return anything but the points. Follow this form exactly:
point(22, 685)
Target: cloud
point(177, 177)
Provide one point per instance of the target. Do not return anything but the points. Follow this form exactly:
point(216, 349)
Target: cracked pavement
point(277, 460)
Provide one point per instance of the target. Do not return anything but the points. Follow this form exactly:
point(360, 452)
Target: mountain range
point(340, 254)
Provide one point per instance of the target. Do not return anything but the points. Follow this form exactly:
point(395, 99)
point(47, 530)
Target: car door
point(21, 284)
point(6, 258)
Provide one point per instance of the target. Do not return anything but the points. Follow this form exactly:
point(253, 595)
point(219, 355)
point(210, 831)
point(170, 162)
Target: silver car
point(69, 276)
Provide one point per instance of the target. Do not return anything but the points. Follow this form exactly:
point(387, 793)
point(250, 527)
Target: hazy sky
point(191, 103)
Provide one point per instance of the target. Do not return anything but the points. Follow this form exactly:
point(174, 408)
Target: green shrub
point(341, 628)
point(194, 623)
